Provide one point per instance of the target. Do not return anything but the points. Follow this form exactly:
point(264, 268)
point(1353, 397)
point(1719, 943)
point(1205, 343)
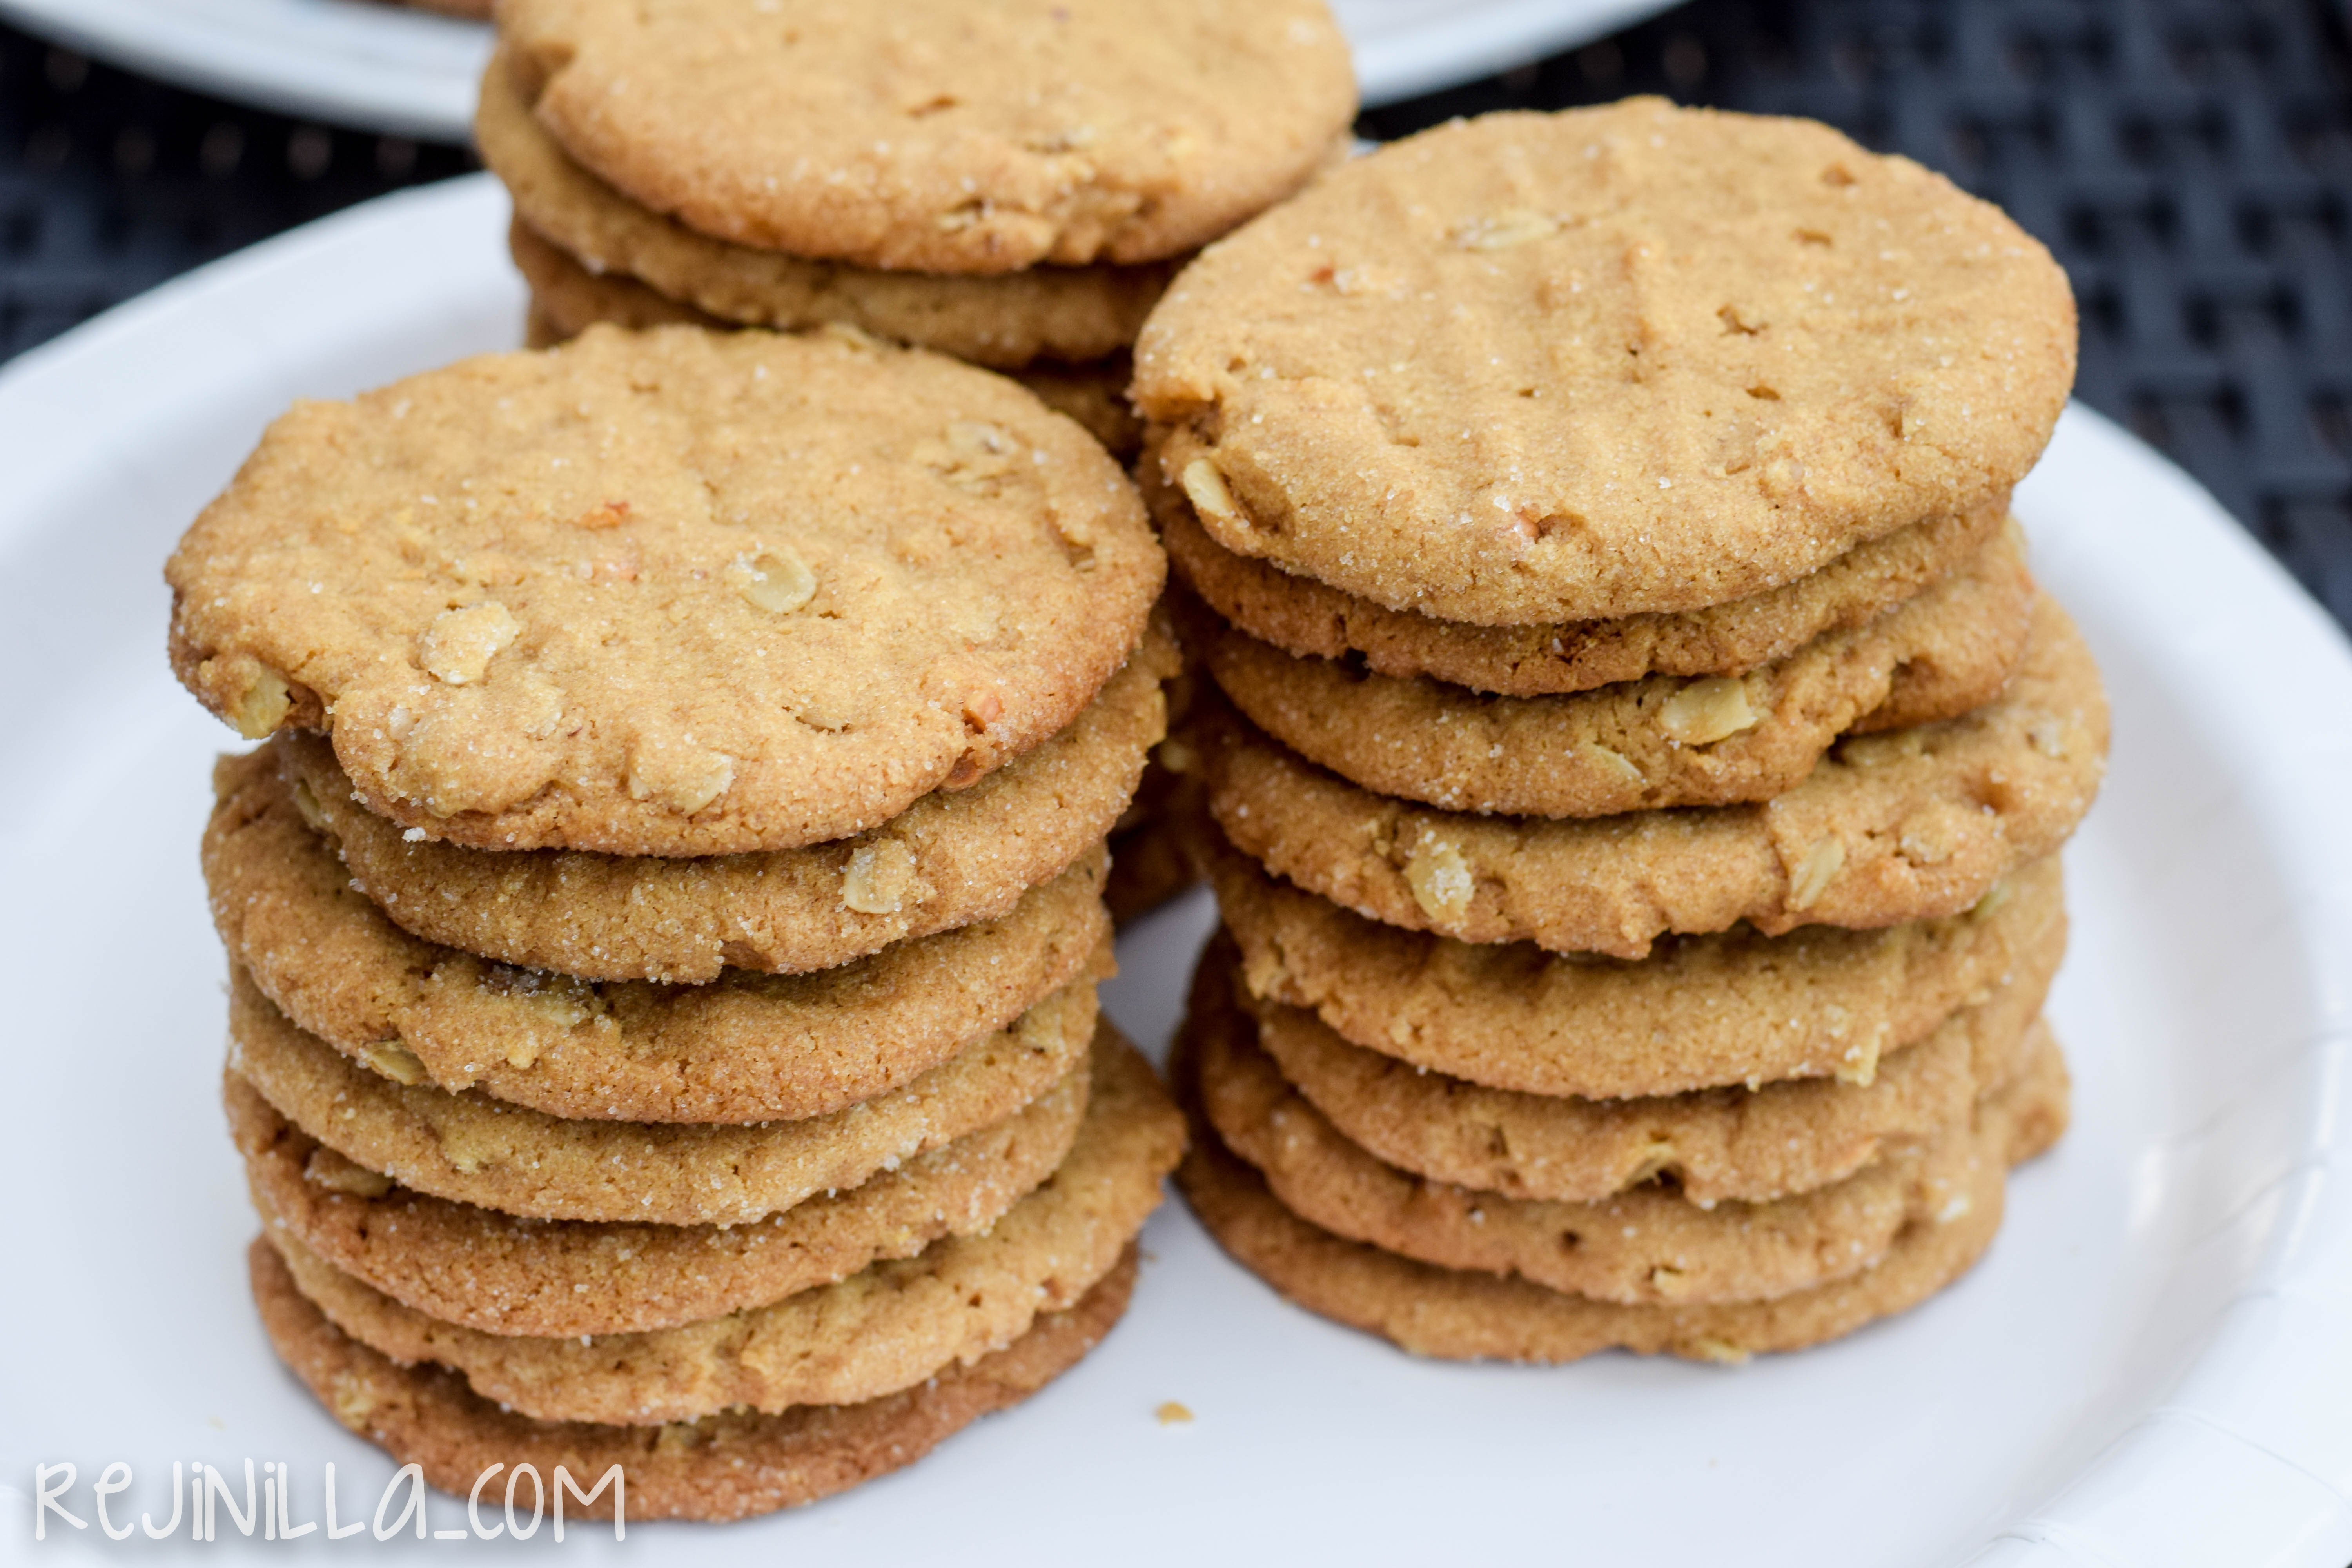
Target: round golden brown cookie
point(566, 299)
point(1648, 1243)
point(886, 1328)
point(744, 1048)
point(1302, 616)
point(720, 1467)
point(471, 1149)
point(942, 137)
point(1464, 1315)
point(1699, 1013)
point(1912, 824)
point(1735, 1143)
point(1553, 367)
point(491, 1271)
point(666, 592)
point(1642, 744)
point(953, 858)
point(1002, 322)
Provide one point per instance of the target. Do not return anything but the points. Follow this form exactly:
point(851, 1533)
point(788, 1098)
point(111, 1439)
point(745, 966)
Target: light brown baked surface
point(1914, 824)
point(744, 1048)
point(939, 137)
point(471, 1149)
point(1648, 1243)
point(1701, 1012)
point(1302, 616)
point(666, 592)
point(566, 299)
point(1459, 1314)
point(1733, 1142)
point(491, 1271)
point(953, 858)
point(884, 1328)
point(720, 1467)
point(1545, 367)
point(1641, 745)
point(1004, 322)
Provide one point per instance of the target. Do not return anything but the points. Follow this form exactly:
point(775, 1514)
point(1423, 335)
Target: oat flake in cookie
point(1534, 368)
point(940, 136)
point(673, 593)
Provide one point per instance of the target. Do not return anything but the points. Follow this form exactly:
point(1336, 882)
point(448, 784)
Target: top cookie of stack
point(1630, 725)
point(1630, 360)
point(667, 594)
point(1002, 183)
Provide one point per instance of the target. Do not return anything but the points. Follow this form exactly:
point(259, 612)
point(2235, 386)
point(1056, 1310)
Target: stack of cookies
point(1011, 184)
point(1008, 183)
point(1638, 750)
point(664, 924)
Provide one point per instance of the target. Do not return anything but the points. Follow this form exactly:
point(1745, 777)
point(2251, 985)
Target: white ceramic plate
point(383, 67)
point(2153, 1365)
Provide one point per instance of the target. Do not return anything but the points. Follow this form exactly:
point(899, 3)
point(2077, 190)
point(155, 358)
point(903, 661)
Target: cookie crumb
point(1172, 1413)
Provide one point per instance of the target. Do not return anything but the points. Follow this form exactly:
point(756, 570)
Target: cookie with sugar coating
point(669, 592)
point(887, 1327)
point(1914, 824)
point(1639, 745)
point(1002, 322)
point(1732, 1143)
point(953, 857)
point(502, 1275)
point(935, 136)
point(471, 1149)
point(726, 1467)
point(1530, 368)
point(1457, 1314)
point(566, 299)
point(1648, 1243)
point(1704, 1012)
point(1302, 616)
point(742, 1048)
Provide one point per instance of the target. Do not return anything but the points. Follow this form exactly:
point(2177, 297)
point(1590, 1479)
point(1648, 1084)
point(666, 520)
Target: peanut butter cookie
point(666, 592)
point(1914, 824)
point(1531, 368)
point(1302, 616)
point(1648, 1243)
point(1701, 1012)
point(1735, 1143)
point(744, 1048)
point(726, 1467)
point(1461, 1314)
point(1002, 322)
point(1642, 744)
point(566, 299)
point(502, 1275)
point(952, 858)
point(941, 137)
point(887, 1327)
point(471, 1149)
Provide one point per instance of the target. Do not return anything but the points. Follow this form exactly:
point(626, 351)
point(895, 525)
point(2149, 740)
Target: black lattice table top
point(2189, 161)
